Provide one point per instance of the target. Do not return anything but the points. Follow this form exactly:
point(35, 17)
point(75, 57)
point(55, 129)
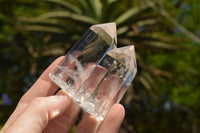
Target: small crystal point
point(126, 55)
point(109, 28)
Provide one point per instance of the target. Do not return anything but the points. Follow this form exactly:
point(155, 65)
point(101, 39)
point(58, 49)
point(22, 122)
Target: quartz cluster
point(95, 73)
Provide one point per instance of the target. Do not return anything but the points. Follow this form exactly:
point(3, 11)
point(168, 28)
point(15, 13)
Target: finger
point(113, 119)
point(88, 124)
point(44, 86)
point(39, 112)
point(65, 122)
point(47, 87)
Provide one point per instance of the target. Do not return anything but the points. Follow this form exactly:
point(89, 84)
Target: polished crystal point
point(95, 73)
point(109, 28)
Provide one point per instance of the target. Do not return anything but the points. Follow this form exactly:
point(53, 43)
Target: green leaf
point(86, 8)
point(41, 28)
point(67, 15)
point(68, 28)
point(146, 83)
point(108, 10)
point(33, 20)
point(97, 5)
point(122, 30)
point(162, 45)
point(130, 13)
point(66, 4)
point(146, 22)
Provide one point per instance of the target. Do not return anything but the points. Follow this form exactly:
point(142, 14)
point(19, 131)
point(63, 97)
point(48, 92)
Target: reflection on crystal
point(94, 72)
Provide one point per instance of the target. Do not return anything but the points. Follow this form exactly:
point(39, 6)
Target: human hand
point(40, 111)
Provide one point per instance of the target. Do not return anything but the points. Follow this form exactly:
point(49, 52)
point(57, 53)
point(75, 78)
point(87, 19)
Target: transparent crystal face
point(94, 72)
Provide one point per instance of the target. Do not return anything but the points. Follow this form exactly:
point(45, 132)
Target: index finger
point(44, 86)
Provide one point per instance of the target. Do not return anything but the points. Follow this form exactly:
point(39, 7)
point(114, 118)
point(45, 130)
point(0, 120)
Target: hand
point(40, 111)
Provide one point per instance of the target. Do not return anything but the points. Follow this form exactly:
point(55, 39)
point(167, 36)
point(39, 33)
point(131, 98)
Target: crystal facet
point(95, 73)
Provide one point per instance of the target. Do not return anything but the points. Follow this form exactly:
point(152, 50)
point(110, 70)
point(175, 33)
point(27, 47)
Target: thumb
point(39, 112)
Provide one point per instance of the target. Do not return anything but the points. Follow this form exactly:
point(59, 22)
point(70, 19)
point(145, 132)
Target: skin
point(40, 111)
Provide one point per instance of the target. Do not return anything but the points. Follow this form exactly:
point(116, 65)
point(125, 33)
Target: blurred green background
point(165, 95)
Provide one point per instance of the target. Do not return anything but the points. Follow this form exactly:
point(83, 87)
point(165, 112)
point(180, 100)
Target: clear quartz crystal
point(94, 72)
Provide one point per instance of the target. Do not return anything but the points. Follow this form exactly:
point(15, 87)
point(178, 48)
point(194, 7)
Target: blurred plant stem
point(161, 10)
